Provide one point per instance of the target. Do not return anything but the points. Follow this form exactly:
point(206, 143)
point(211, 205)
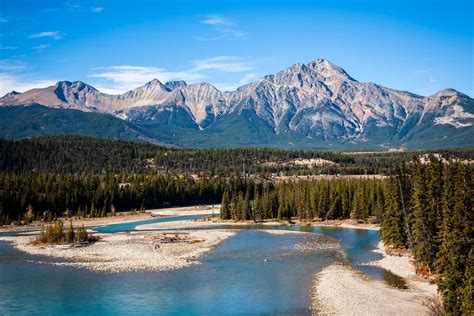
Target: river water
point(253, 272)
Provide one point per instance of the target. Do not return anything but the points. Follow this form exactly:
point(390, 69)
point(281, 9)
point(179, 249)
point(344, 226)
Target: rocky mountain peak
point(155, 83)
point(171, 85)
point(74, 86)
point(10, 94)
point(327, 69)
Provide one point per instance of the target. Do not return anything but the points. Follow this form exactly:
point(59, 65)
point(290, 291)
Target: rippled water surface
point(253, 272)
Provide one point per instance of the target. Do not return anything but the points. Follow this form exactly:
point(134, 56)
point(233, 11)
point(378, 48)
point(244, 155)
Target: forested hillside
point(77, 154)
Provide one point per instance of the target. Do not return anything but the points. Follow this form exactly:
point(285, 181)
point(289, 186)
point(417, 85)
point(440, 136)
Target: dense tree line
point(32, 196)
point(306, 200)
point(429, 209)
point(77, 154)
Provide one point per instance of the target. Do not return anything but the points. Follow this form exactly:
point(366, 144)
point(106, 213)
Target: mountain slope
point(37, 120)
point(314, 105)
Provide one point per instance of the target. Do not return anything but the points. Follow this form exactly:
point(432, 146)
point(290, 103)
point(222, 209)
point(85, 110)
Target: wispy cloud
point(14, 76)
point(3, 20)
point(224, 64)
point(12, 65)
point(97, 9)
point(124, 78)
point(80, 7)
point(432, 79)
point(248, 78)
point(221, 27)
point(21, 83)
point(7, 47)
point(72, 6)
point(41, 47)
point(118, 79)
point(53, 34)
point(231, 86)
point(216, 20)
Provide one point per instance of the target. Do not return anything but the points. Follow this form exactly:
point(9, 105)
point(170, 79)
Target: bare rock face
point(318, 100)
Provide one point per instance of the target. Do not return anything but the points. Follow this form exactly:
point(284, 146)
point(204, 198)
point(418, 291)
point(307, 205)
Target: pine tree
point(247, 208)
point(453, 246)
point(393, 218)
point(423, 228)
point(257, 207)
point(335, 209)
point(225, 206)
point(70, 233)
point(359, 205)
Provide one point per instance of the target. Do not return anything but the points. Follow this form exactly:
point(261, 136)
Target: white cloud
point(432, 79)
point(7, 47)
point(232, 86)
point(224, 64)
point(216, 20)
point(118, 79)
point(14, 76)
point(21, 83)
point(97, 9)
point(53, 34)
point(248, 78)
point(41, 47)
point(215, 38)
point(222, 27)
point(125, 78)
point(225, 86)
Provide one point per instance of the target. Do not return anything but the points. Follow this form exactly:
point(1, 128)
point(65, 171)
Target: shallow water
point(126, 227)
point(253, 272)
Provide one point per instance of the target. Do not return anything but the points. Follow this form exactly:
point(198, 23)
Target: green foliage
point(440, 220)
point(50, 196)
point(82, 235)
point(54, 234)
point(36, 120)
point(70, 235)
point(75, 154)
point(323, 199)
point(225, 206)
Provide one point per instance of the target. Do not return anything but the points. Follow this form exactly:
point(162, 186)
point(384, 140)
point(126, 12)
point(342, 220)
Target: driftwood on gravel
point(172, 238)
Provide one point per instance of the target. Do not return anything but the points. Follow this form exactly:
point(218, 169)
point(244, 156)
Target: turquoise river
point(253, 272)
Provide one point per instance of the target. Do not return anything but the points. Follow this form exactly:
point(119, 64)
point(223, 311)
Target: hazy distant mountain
point(317, 105)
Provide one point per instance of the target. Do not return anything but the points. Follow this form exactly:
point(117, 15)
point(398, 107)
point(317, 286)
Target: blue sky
point(419, 46)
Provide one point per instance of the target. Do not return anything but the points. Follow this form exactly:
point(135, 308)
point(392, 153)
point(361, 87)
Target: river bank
point(123, 217)
point(352, 293)
point(341, 290)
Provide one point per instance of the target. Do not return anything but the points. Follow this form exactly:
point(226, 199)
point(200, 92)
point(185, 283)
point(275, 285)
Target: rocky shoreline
point(341, 290)
point(122, 252)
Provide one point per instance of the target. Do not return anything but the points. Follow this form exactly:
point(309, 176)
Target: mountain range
point(311, 106)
